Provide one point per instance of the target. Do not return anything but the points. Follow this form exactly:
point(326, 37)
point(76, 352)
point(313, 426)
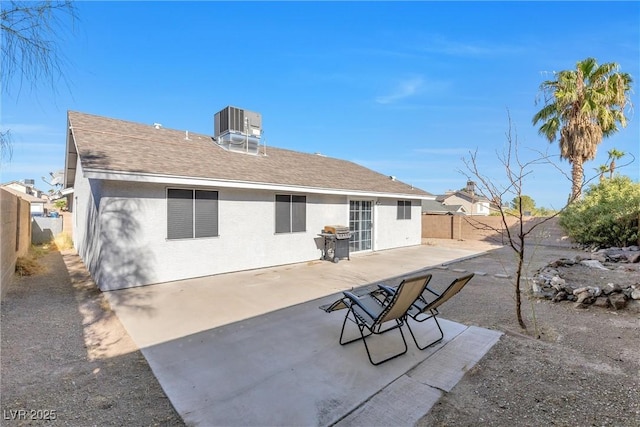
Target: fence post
point(451, 227)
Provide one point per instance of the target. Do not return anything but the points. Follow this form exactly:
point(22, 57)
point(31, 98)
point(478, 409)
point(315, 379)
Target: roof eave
point(210, 182)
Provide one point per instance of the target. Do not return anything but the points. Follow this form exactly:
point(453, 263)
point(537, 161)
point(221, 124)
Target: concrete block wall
point(15, 233)
point(44, 229)
point(463, 227)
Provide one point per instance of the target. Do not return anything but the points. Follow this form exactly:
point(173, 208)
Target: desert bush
point(29, 265)
point(607, 215)
point(63, 241)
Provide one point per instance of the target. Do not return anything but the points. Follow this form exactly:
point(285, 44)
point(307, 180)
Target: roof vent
point(238, 130)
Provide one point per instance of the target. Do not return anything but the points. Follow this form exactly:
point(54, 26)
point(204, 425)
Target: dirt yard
point(67, 358)
point(584, 370)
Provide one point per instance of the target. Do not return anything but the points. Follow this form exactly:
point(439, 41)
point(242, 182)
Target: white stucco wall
point(125, 244)
point(120, 231)
point(390, 232)
point(482, 208)
point(86, 230)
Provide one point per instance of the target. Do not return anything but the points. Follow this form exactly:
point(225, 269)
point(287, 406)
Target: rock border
point(548, 284)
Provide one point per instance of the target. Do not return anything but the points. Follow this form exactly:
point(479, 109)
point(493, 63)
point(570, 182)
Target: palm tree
point(583, 106)
point(613, 156)
point(602, 169)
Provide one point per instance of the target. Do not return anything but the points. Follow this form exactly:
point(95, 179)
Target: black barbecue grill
point(336, 242)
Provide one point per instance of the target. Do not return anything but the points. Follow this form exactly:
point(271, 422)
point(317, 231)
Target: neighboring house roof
point(471, 198)
point(135, 151)
point(25, 188)
point(28, 197)
point(435, 207)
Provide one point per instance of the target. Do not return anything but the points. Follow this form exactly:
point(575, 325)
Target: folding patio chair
point(370, 313)
point(426, 306)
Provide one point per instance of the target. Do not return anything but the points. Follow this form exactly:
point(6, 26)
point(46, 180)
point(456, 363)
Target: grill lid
point(336, 229)
point(340, 231)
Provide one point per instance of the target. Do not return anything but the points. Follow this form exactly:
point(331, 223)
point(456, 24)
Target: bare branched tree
point(32, 33)
point(516, 171)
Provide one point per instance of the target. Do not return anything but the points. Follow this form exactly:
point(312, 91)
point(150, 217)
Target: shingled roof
point(106, 145)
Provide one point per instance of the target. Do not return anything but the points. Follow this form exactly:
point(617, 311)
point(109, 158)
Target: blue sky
point(404, 88)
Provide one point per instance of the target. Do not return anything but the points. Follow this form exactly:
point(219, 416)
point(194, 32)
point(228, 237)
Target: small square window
point(191, 213)
point(404, 209)
point(291, 213)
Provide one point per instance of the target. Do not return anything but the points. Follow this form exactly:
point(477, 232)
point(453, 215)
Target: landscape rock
point(633, 258)
point(580, 305)
point(618, 301)
point(633, 306)
point(602, 302)
point(537, 290)
point(562, 262)
point(585, 298)
point(580, 290)
point(557, 283)
point(560, 296)
point(610, 288)
point(593, 264)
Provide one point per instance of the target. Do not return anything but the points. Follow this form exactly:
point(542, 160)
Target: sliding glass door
point(360, 224)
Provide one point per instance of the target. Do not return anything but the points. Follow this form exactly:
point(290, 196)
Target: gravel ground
point(583, 371)
point(66, 356)
point(67, 360)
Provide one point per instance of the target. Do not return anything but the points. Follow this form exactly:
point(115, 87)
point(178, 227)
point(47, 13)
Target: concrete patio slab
point(149, 313)
point(455, 359)
point(401, 403)
point(254, 349)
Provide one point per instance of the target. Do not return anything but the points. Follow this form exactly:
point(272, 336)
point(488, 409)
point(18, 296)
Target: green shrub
point(60, 204)
point(607, 215)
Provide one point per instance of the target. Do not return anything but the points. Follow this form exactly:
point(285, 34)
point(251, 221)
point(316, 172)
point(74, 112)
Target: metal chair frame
point(423, 310)
point(370, 313)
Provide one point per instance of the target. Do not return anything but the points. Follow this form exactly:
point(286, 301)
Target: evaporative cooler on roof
point(238, 130)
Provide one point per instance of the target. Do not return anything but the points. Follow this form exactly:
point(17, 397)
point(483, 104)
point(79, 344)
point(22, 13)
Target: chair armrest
point(356, 300)
point(389, 290)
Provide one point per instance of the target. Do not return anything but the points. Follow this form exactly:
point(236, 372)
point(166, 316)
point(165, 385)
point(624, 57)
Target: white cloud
point(403, 90)
point(442, 45)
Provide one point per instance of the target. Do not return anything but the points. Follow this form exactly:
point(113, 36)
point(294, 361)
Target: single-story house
point(152, 204)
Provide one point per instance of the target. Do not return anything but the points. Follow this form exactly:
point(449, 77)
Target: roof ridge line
point(129, 135)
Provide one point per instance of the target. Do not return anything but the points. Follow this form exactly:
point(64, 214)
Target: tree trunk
point(612, 168)
point(577, 176)
point(518, 279)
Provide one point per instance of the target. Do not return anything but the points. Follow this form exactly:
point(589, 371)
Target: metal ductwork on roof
point(238, 130)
